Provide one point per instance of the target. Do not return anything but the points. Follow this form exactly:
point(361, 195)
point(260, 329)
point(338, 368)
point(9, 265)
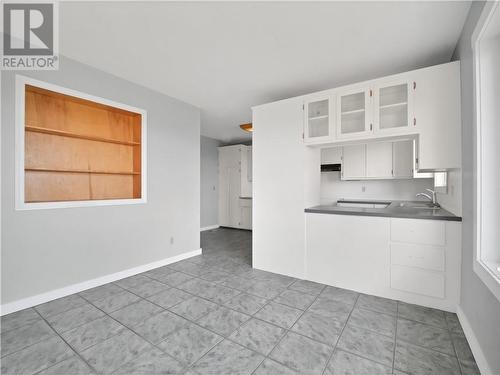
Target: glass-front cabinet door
point(393, 107)
point(353, 113)
point(318, 125)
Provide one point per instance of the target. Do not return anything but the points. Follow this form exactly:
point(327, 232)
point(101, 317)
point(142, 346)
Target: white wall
point(479, 306)
point(333, 188)
point(209, 181)
point(43, 250)
point(285, 182)
point(452, 198)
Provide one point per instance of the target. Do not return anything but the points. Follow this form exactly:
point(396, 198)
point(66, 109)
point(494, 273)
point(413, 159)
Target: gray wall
point(479, 305)
point(209, 183)
point(43, 250)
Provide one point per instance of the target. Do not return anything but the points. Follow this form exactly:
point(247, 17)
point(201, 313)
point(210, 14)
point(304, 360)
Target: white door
point(223, 196)
point(229, 185)
point(246, 171)
point(379, 160)
point(353, 162)
point(354, 113)
point(393, 107)
point(318, 121)
point(233, 174)
point(403, 159)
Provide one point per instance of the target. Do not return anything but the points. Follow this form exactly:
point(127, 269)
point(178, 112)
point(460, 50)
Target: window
point(486, 47)
point(77, 150)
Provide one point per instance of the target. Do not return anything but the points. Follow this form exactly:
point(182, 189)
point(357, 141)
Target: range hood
point(330, 167)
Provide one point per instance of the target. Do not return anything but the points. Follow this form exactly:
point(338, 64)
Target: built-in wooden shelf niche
point(77, 149)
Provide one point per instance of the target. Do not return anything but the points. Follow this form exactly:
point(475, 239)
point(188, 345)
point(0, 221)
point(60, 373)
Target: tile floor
point(214, 314)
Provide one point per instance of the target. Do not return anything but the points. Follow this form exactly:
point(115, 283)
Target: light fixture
point(247, 127)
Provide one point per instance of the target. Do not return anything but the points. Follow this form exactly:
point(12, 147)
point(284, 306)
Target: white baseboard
point(76, 288)
point(481, 361)
point(210, 227)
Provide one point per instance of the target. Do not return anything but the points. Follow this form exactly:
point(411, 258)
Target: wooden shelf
point(77, 149)
point(352, 112)
point(62, 133)
point(79, 171)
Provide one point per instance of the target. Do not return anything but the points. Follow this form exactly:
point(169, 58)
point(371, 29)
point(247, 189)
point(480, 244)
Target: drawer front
point(414, 255)
point(424, 232)
point(415, 280)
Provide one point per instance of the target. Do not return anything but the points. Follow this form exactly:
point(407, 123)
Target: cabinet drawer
point(425, 232)
point(415, 280)
point(413, 255)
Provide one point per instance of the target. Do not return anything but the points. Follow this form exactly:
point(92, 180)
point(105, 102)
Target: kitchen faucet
point(432, 197)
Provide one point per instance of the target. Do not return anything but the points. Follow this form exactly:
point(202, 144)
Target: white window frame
point(21, 82)
point(489, 276)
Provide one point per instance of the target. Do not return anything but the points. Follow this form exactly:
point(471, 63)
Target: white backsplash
point(333, 188)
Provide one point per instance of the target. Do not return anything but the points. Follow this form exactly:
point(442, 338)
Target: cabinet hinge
point(371, 126)
point(371, 93)
point(303, 107)
point(414, 85)
point(392, 172)
point(414, 121)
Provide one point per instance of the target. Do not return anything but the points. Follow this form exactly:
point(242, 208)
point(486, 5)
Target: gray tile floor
point(214, 314)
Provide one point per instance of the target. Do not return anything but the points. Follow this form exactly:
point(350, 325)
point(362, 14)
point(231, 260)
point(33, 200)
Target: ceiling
point(225, 57)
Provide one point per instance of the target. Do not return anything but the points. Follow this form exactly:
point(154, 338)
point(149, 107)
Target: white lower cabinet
point(425, 232)
point(416, 255)
point(418, 281)
point(338, 255)
point(245, 213)
point(411, 260)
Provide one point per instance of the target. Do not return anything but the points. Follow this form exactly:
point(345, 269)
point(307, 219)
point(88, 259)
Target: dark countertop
point(402, 209)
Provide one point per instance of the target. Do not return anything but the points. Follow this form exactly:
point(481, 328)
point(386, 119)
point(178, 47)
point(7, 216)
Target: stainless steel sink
point(363, 204)
point(419, 205)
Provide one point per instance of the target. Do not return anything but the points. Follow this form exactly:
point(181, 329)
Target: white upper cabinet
point(379, 160)
point(318, 124)
point(354, 162)
point(354, 112)
point(393, 107)
point(402, 159)
point(331, 155)
point(423, 104)
point(438, 117)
